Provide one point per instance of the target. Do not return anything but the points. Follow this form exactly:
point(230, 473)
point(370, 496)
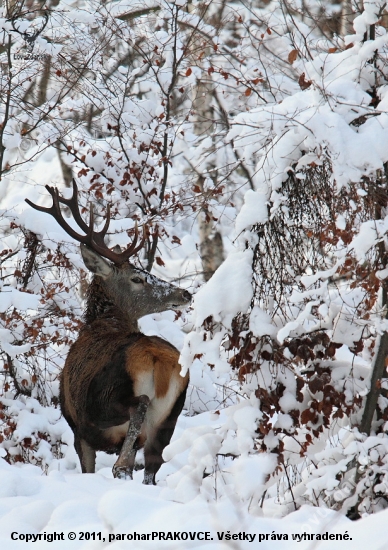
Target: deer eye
point(137, 280)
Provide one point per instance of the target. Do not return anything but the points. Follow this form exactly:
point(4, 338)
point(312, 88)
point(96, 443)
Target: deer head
point(134, 291)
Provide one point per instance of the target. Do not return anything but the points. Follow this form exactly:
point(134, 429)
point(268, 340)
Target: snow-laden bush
point(304, 341)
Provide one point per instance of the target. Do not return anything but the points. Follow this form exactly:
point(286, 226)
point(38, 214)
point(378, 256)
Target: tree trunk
point(347, 17)
point(211, 245)
point(378, 372)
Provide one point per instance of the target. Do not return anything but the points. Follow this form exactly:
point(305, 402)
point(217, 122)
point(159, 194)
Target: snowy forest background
point(250, 138)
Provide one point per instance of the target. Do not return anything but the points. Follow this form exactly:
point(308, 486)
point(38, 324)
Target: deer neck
point(99, 305)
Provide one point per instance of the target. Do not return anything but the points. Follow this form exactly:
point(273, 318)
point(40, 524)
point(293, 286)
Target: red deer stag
point(119, 389)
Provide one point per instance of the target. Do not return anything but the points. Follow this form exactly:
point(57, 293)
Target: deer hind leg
point(155, 444)
point(123, 467)
point(86, 454)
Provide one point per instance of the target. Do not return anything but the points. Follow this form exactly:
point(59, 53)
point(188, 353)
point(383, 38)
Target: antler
point(92, 239)
point(29, 38)
point(46, 17)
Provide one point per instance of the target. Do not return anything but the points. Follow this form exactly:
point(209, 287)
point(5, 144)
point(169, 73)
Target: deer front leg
point(123, 467)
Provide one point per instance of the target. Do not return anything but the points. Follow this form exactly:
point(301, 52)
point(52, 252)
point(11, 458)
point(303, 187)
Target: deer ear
point(95, 263)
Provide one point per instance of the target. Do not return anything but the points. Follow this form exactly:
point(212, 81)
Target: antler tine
point(89, 232)
point(72, 204)
point(92, 239)
point(55, 212)
point(132, 249)
point(98, 236)
point(88, 239)
point(107, 222)
point(13, 25)
point(45, 24)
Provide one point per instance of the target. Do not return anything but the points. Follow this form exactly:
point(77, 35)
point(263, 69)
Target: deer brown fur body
point(120, 390)
point(107, 368)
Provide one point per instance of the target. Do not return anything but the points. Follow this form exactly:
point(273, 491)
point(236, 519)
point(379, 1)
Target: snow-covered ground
point(109, 510)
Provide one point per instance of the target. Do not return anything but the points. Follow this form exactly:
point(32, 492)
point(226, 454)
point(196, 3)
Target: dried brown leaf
point(292, 56)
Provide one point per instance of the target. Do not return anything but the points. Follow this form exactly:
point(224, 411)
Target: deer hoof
point(149, 479)
point(120, 472)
